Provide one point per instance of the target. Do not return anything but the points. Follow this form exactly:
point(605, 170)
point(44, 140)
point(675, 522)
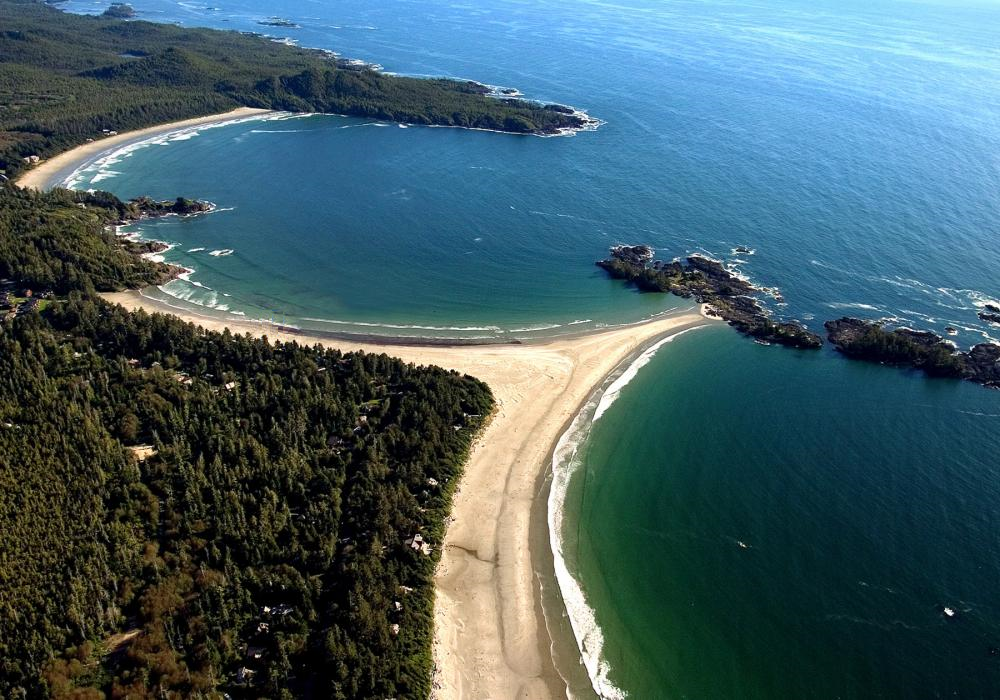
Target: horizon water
point(731, 520)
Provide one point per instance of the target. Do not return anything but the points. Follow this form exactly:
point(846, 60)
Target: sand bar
point(49, 173)
point(490, 639)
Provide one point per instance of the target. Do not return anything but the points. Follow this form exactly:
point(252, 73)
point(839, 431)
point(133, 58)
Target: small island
point(279, 22)
point(729, 296)
point(990, 313)
point(923, 350)
point(120, 10)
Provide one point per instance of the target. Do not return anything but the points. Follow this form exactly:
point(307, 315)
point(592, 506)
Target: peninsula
point(74, 79)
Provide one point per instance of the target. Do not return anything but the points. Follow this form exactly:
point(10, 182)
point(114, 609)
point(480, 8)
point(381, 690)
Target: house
point(417, 542)
point(142, 452)
point(28, 306)
point(278, 610)
point(31, 160)
point(394, 628)
point(245, 675)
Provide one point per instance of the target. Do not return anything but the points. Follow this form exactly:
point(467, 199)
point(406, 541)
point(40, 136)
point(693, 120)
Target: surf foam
point(565, 462)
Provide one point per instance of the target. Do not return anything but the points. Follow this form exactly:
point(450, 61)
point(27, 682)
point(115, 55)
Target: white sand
point(490, 640)
point(40, 176)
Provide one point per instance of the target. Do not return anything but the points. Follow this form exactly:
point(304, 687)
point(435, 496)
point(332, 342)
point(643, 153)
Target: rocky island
point(144, 207)
point(730, 297)
point(903, 347)
point(120, 10)
point(279, 22)
point(990, 313)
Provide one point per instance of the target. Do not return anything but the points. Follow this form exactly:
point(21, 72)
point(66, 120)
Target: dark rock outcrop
point(902, 347)
point(145, 207)
point(119, 10)
point(708, 281)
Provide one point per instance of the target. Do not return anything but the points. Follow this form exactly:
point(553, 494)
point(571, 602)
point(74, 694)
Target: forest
point(189, 514)
point(67, 78)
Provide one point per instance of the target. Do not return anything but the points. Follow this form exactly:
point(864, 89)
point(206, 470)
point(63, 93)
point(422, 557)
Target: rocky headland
point(729, 296)
point(923, 350)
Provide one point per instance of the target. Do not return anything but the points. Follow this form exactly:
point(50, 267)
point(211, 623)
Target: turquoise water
point(855, 147)
point(752, 523)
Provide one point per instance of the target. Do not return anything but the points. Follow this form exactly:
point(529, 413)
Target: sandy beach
point(490, 636)
point(47, 173)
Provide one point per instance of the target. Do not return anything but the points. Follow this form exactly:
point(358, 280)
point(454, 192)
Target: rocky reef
point(990, 313)
point(729, 297)
point(923, 350)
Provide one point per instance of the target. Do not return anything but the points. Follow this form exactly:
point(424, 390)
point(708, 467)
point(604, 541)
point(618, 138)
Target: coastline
point(490, 635)
point(47, 173)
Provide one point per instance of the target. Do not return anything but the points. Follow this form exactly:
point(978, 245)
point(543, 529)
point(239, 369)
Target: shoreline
point(49, 172)
point(491, 638)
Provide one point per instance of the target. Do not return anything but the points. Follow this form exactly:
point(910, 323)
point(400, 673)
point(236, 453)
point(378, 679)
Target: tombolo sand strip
point(490, 640)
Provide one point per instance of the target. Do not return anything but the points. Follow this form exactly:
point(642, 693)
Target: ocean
point(740, 521)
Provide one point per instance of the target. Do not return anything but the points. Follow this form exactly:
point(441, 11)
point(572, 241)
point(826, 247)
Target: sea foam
point(565, 462)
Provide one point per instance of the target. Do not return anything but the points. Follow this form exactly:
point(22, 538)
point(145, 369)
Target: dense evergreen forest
point(65, 78)
point(193, 514)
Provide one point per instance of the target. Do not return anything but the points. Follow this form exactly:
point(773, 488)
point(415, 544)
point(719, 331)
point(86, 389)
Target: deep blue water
point(855, 147)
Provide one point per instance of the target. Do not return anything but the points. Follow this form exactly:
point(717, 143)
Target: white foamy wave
point(613, 391)
point(589, 637)
point(104, 175)
point(853, 305)
point(222, 253)
point(98, 168)
point(579, 321)
point(238, 313)
point(369, 324)
point(588, 633)
point(532, 329)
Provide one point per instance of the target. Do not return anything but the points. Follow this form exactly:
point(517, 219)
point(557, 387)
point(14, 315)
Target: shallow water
point(852, 146)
